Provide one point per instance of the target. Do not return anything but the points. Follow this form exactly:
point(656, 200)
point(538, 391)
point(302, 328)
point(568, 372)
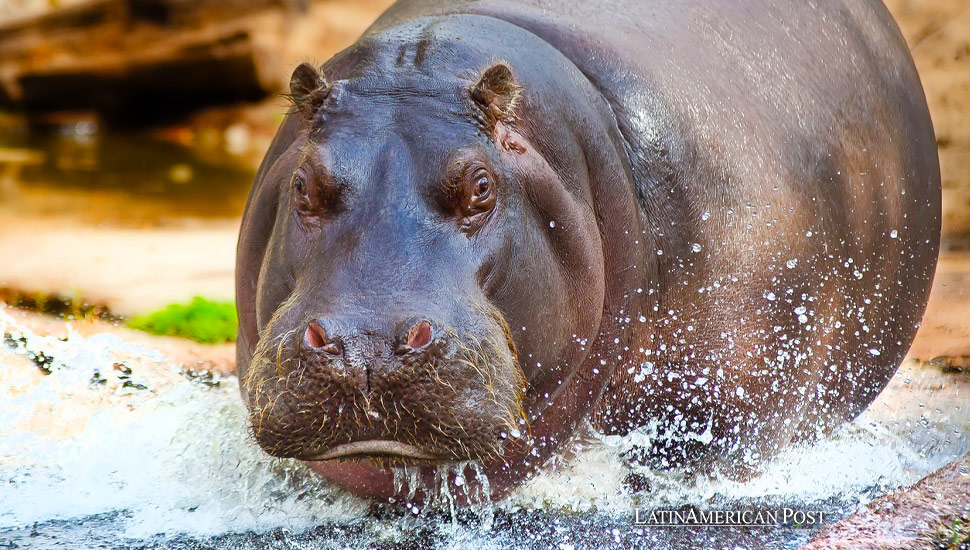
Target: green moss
point(201, 320)
point(955, 536)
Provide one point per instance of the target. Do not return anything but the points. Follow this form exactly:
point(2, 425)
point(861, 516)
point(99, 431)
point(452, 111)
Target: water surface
point(77, 169)
point(117, 448)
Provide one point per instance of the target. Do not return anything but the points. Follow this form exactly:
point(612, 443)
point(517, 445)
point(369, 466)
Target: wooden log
point(150, 56)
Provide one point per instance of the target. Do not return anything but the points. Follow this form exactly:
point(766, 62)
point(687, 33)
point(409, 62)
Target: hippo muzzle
point(416, 390)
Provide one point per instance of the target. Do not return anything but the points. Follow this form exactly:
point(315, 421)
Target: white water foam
point(894, 443)
point(177, 457)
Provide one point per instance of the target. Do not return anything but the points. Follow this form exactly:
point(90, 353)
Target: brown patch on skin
point(509, 139)
point(907, 518)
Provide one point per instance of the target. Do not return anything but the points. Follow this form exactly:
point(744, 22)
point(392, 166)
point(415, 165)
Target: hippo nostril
point(419, 335)
point(316, 337)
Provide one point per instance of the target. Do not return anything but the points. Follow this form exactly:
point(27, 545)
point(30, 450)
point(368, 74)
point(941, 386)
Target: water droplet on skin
point(552, 224)
point(696, 247)
point(706, 216)
point(791, 264)
point(771, 296)
point(893, 234)
point(874, 351)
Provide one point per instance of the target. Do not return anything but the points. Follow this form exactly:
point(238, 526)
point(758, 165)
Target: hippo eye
point(315, 195)
point(481, 196)
point(299, 183)
point(471, 194)
point(482, 188)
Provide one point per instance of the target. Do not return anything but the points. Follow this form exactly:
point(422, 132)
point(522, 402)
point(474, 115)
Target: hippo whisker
point(279, 350)
point(434, 375)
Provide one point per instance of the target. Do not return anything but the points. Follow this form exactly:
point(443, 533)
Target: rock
point(921, 516)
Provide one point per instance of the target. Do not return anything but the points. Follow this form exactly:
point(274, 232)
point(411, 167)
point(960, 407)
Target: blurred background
point(130, 131)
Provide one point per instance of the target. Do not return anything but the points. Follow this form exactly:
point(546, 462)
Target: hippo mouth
point(377, 448)
point(454, 397)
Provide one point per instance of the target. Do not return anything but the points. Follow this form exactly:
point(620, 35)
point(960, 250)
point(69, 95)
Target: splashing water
point(116, 446)
point(175, 456)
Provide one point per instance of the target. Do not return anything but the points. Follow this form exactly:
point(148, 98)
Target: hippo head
point(419, 269)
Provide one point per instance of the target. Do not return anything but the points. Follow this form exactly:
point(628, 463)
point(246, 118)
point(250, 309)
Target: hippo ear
point(308, 88)
point(497, 94)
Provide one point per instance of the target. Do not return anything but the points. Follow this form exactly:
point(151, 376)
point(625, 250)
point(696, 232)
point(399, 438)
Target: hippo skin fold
point(488, 227)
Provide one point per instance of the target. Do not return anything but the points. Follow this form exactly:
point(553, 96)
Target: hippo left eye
point(482, 190)
point(477, 198)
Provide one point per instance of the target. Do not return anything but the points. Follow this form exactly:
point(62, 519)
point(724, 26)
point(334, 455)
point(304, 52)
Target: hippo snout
point(416, 390)
point(316, 337)
point(355, 352)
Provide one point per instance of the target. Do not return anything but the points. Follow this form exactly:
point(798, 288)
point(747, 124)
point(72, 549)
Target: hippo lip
point(377, 448)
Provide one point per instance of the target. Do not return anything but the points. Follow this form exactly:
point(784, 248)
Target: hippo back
point(786, 165)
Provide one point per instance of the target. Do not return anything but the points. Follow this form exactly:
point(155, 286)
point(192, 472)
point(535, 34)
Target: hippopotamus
point(489, 227)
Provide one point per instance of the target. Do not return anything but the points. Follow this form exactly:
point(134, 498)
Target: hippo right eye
point(299, 182)
point(314, 195)
point(483, 188)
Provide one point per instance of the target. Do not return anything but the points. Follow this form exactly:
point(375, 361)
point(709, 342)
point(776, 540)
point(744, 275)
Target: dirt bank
point(934, 513)
point(938, 34)
point(129, 270)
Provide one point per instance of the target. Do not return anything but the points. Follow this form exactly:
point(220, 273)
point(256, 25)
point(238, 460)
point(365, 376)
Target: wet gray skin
point(488, 223)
